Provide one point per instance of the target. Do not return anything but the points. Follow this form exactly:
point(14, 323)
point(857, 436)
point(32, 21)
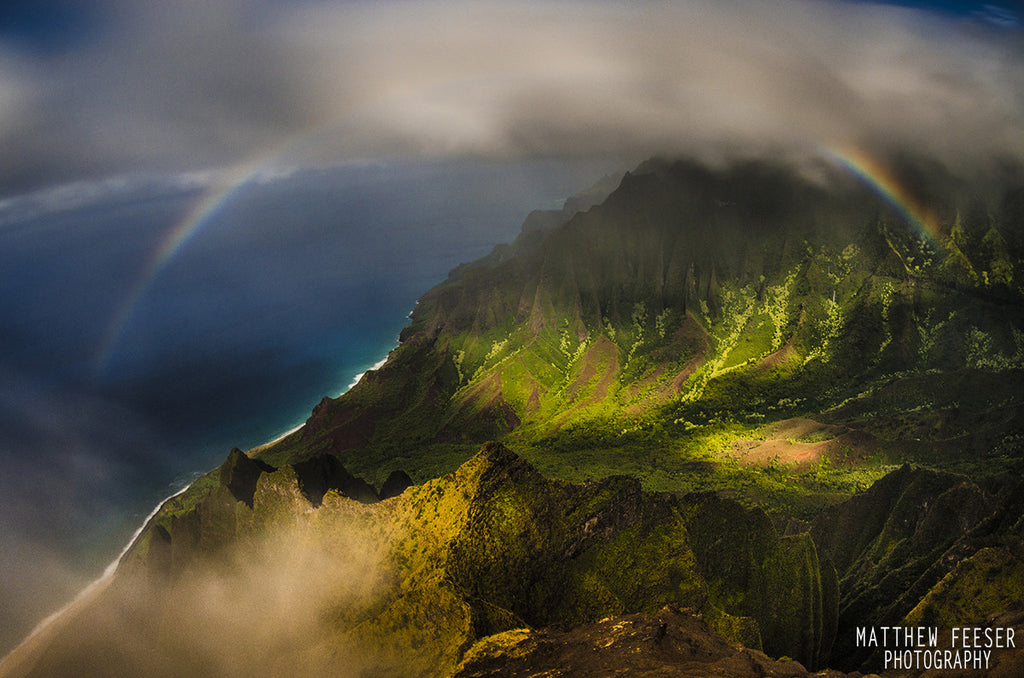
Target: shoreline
point(9, 662)
point(376, 366)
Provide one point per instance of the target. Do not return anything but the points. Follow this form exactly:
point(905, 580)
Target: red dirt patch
point(533, 402)
point(782, 445)
point(799, 427)
point(689, 339)
point(602, 355)
point(679, 380)
point(766, 452)
point(783, 356)
point(483, 402)
point(851, 447)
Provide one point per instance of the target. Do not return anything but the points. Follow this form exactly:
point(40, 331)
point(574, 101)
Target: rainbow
point(215, 197)
point(880, 179)
point(227, 185)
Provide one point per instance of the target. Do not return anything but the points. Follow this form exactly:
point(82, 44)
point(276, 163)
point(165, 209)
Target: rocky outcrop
point(239, 474)
point(558, 554)
point(669, 642)
point(323, 473)
point(414, 581)
point(395, 484)
point(242, 495)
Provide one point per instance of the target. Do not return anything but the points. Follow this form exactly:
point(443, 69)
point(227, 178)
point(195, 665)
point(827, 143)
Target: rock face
point(323, 473)
point(241, 495)
point(239, 474)
point(560, 554)
point(924, 548)
point(395, 484)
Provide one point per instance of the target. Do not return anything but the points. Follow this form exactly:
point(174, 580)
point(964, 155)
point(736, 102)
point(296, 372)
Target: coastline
point(22, 653)
point(376, 366)
point(20, 659)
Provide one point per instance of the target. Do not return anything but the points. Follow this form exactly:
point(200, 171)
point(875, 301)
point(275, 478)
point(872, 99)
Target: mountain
point(696, 309)
point(750, 410)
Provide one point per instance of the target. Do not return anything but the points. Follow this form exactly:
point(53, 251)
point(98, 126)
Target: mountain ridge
point(489, 548)
point(510, 341)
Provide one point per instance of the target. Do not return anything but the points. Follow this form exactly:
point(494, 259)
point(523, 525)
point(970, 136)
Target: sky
point(121, 120)
point(91, 90)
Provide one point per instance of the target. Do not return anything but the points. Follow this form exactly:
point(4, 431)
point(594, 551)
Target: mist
point(212, 84)
point(266, 607)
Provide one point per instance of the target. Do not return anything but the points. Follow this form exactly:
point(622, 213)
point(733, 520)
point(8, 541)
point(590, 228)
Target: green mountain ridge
point(689, 308)
point(740, 393)
point(493, 547)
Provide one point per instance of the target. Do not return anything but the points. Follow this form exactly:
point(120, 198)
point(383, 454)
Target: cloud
point(1000, 16)
point(105, 191)
point(648, 78)
point(205, 84)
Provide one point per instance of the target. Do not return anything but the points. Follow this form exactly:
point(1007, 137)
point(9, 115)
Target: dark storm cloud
point(198, 84)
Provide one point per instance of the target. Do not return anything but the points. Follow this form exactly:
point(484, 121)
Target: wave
point(376, 366)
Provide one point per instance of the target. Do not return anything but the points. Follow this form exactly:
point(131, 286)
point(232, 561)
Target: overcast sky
point(112, 87)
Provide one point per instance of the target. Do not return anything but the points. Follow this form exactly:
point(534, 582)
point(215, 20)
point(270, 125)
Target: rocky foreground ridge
point(495, 570)
point(408, 585)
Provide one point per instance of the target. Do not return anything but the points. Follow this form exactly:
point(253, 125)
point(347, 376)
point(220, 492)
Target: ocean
point(149, 324)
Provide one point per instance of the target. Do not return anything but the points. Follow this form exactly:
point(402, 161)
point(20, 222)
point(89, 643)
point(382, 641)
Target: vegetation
point(786, 348)
point(588, 364)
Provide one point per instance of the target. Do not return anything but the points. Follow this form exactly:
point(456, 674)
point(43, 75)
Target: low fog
point(268, 608)
point(209, 84)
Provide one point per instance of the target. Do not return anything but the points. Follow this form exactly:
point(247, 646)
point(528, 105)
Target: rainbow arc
point(882, 181)
point(213, 200)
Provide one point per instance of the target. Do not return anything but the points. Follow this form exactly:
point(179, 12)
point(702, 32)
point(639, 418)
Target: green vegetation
point(787, 366)
point(660, 351)
point(491, 547)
